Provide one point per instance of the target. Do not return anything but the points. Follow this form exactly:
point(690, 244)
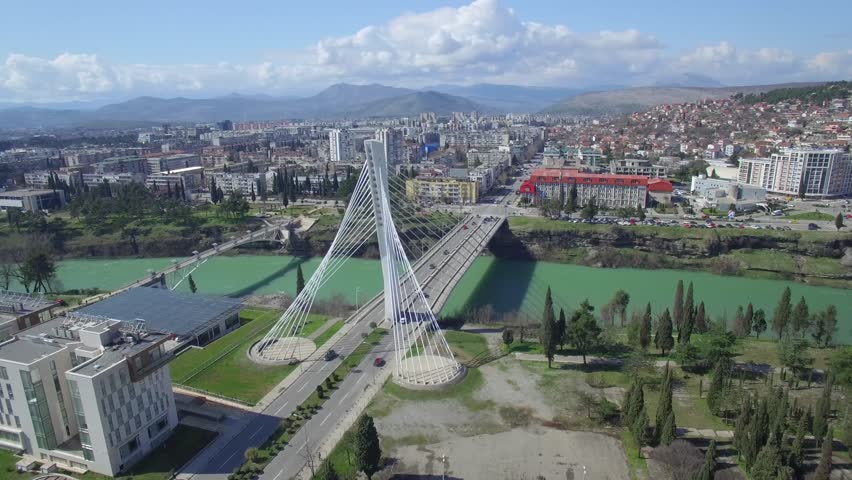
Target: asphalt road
point(436, 282)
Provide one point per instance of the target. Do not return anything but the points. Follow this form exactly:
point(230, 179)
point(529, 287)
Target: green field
point(827, 217)
point(184, 443)
point(466, 346)
point(232, 374)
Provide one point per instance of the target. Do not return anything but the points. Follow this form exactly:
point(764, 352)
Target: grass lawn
point(466, 346)
point(764, 350)
point(184, 443)
point(328, 333)
point(235, 375)
point(811, 216)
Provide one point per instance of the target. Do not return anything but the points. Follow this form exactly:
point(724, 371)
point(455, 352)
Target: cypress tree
point(300, 279)
point(781, 316)
point(368, 453)
point(823, 470)
point(717, 388)
point(701, 319)
point(748, 319)
point(645, 329)
point(822, 412)
point(759, 433)
point(708, 469)
point(766, 464)
point(759, 322)
point(253, 195)
point(689, 316)
point(561, 328)
point(664, 405)
point(664, 339)
point(741, 428)
point(548, 329)
point(627, 406)
point(639, 429)
point(669, 433)
point(797, 451)
point(739, 327)
point(637, 405)
point(677, 309)
point(800, 321)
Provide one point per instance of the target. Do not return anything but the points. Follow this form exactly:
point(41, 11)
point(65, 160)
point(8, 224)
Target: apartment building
point(611, 191)
point(476, 139)
point(815, 172)
point(130, 164)
point(31, 200)
point(243, 183)
point(392, 140)
point(41, 178)
point(86, 393)
point(341, 146)
point(19, 311)
point(637, 166)
point(94, 179)
point(499, 157)
point(167, 163)
point(452, 191)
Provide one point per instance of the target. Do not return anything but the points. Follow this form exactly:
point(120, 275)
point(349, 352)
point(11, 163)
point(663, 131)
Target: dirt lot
point(501, 429)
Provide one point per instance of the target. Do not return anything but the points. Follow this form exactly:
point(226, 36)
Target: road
point(461, 246)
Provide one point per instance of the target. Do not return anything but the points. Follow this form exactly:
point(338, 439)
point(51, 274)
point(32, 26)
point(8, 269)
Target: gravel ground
point(506, 440)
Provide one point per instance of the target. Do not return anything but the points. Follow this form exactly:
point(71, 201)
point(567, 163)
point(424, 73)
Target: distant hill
point(510, 98)
point(413, 104)
point(815, 93)
point(689, 80)
point(637, 99)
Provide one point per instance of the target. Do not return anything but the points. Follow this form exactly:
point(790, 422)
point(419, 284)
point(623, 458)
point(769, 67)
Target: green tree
point(823, 470)
point(192, 286)
point(664, 404)
point(822, 412)
point(645, 328)
point(677, 308)
point(300, 279)
point(801, 317)
point(739, 323)
point(793, 354)
point(717, 389)
point(590, 209)
point(583, 332)
point(368, 453)
point(547, 335)
point(619, 301)
point(797, 450)
point(838, 221)
point(320, 391)
point(759, 322)
point(639, 428)
point(669, 432)
point(251, 454)
point(634, 401)
point(748, 319)
point(825, 326)
point(689, 313)
point(571, 201)
point(708, 469)
point(38, 270)
point(766, 464)
point(664, 339)
point(701, 319)
point(508, 337)
point(326, 471)
point(561, 329)
point(781, 317)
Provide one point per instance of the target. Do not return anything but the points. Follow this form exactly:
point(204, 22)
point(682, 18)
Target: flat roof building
point(19, 311)
point(191, 318)
point(86, 393)
point(31, 200)
point(611, 191)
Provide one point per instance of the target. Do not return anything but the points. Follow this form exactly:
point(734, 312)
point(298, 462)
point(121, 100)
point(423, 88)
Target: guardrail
point(213, 394)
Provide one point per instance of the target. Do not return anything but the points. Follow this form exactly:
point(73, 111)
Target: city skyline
point(111, 52)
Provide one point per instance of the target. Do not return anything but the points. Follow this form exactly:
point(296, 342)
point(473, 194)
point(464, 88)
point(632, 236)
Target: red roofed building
point(612, 191)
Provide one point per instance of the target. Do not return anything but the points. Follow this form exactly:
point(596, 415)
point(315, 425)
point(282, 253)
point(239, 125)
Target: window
point(4, 375)
point(9, 390)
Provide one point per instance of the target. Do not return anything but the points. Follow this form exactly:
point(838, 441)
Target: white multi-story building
point(41, 178)
point(95, 179)
point(817, 172)
point(86, 393)
point(392, 140)
point(244, 183)
point(341, 146)
point(167, 163)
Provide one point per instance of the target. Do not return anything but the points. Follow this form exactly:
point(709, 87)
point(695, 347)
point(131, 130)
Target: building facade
point(168, 163)
point(341, 146)
point(32, 200)
point(443, 190)
point(41, 178)
point(133, 165)
point(637, 166)
point(812, 172)
point(86, 393)
point(611, 191)
point(392, 140)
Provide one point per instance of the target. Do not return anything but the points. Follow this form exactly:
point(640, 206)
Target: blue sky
point(60, 50)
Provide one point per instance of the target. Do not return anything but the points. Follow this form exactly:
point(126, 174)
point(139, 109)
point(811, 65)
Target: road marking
point(359, 379)
point(282, 408)
point(279, 474)
point(229, 459)
point(303, 387)
point(326, 418)
point(255, 433)
point(344, 397)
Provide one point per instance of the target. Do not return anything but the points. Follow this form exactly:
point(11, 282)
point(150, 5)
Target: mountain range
point(346, 101)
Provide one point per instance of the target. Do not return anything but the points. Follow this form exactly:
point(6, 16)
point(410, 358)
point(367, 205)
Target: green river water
point(506, 284)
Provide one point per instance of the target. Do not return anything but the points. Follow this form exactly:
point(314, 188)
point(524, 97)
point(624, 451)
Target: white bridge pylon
point(422, 355)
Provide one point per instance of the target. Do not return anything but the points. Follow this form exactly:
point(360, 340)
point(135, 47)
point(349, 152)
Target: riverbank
point(816, 258)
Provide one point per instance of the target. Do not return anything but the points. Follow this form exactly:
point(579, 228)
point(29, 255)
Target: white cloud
point(480, 42)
